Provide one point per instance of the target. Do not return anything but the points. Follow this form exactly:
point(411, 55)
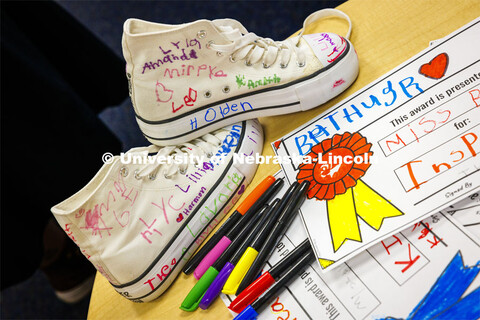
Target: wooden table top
point(385, 34)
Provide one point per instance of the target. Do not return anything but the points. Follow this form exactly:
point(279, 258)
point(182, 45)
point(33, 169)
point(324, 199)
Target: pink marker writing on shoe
point(225, 241)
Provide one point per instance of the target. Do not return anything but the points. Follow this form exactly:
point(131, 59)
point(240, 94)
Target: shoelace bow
point(253, 49)
point(198, 148)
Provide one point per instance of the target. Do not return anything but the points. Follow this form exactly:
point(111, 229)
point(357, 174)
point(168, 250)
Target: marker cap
point(214, 290)
point(240, 270)
point(252, 292)
point(255, 194)
point(247, 314)
point(191, 301)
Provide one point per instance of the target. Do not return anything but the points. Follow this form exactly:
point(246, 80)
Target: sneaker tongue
point(225, 25)
point(326, 46)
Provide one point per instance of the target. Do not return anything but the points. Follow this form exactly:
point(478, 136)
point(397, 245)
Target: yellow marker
point(240, 271)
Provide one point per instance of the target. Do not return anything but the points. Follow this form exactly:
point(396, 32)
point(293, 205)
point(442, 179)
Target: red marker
point(268, 278)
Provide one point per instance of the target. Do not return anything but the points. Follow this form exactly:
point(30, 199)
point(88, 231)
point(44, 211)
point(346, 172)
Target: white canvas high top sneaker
point(139, 223)
point(186, 80)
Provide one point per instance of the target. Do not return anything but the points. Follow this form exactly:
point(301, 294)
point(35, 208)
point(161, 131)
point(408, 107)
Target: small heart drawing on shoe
point(124, 217)
point(436, 68)
point(180, 217)
point(242, 189)
point(163, 94)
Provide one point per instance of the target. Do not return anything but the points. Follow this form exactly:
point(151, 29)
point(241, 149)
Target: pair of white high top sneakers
point(196, 89)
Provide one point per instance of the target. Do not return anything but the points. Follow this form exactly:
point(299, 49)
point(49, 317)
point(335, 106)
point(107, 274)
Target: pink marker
point(212, 256)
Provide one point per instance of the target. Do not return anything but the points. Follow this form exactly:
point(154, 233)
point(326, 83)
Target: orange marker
point(231, 221)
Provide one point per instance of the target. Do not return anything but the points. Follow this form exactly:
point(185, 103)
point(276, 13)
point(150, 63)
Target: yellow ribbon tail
point(371, 206)
point(359, 201)
point(343, 219)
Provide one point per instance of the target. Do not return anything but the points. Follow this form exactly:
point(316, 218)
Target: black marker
point(286, 218)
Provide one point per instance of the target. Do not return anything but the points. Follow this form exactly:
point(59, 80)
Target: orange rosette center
point(333, 169)
point(327, 173)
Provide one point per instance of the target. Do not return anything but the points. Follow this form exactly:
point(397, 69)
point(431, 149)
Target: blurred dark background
point(34, 298)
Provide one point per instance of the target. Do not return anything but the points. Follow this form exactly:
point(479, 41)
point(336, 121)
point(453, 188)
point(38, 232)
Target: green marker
point(193, 298)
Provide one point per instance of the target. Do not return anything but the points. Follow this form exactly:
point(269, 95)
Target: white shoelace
point(199, 148)
point(253, 49)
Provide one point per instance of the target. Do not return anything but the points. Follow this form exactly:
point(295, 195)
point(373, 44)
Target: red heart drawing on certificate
point(436, 68)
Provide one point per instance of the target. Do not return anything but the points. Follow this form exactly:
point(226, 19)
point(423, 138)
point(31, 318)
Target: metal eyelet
point(166, 176)
point(247, 63)
point(136, 175)
point(182, 172)
point(207, 94)
point(226, 89)
point(283, 66)
point(266, 66)
point(124, 171)
point(300, 65)
point(232, 59)
point(201, 34)
point(209, 155)
point(210, 43)
point(219, 54)
point(129, 76)
point(152, 176)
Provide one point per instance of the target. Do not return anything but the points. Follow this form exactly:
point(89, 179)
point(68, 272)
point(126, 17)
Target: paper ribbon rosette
point(334, 173)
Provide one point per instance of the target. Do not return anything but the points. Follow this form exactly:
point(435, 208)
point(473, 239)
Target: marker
point(225, 241)
point(214, 290)
point(251, 312)
point(279, 229)
point(229, 223)
point(251, 252)
point(191, 301)
point(268, 278)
